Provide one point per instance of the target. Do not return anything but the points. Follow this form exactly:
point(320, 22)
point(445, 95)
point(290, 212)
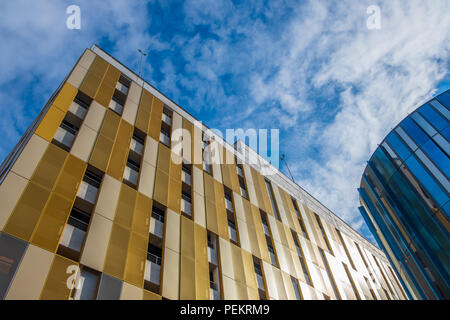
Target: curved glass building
point(404, 197)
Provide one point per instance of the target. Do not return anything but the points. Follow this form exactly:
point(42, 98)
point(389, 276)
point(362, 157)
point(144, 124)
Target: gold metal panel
point(98, 67)
point(238, 266)
point(120, 151)
point(117, 251)
point(70, 177)
point(50, 123)
point(174, 198)
point(249, 270)
point(31, 274)
point(154, 125)
point(136, 259)
point(55, 287)
point(201, 282)
point(211, 217)
point(201, 263)
point(143, 113)
point(201, 246)
point(110, 125)
point(26, 214)
point(106, 90)
point(187, 278)
point(187, 238)
point(148, 295)
point(264, 251)
point(222, 219)
point(96, 243)
point(50, 166)
point(142, 212)
point(161, 187)
point(226, 178)
point(209, 191)
point(125, 206)
point(175, 166)
point(164, 158)
point(94, 77)
point(10, 191)
point(100, 155)
point(117, 163)
point(51, 223)
point(258, 190)
point(65, 97)
point(90, 84)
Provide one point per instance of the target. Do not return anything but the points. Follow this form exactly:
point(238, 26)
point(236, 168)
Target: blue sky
point(313, 69)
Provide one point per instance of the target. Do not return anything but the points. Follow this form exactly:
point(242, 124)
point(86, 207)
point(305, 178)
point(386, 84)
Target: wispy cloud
point(310, 68)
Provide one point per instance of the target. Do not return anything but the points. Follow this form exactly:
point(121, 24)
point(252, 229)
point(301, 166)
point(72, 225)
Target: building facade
point(98, 201)
point(404, 195)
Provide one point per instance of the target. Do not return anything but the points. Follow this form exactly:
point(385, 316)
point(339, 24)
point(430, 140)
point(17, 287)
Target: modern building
point(98, 201)
point(404, 195)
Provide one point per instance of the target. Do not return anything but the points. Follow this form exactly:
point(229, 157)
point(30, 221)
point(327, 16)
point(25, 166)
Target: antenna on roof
point(143, 54)
point(283, 158)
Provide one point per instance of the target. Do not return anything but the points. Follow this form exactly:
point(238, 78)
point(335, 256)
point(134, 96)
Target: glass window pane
point(436, 154)
point(444, 98)
point(430, 184)
point(433, 117)
point(414, 131)
point(445, 112)
point(428, 128)
point(11, 252)
point(109, 288)
point(398, 146)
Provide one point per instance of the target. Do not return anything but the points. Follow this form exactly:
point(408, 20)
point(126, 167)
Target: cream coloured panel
point(84, 143)
point(177, 124)
point(199, 209)
point(30, 277)
point(108, 197)
point(171, 281)
point(134, 93)
point(130, 292)
point(129, 112)
point(240, 214)
point(87, 59)
point(226, 258)
point(30, 156)
point(147, 179)
point(151, 151)
point(10, 191)
point(172, 237)
point(229, 289)
point(96, 245)
point(250, 185)
point(243, 235)
point(280, 204)
point(270, 281)
point(77, 76)
point(94, 116)
point(197, 180)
